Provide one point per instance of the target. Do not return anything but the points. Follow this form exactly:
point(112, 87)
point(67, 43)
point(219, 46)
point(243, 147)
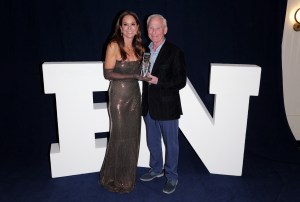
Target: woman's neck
point(127, 43)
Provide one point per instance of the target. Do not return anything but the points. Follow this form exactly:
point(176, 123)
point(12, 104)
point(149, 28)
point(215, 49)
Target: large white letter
point(220, 141)
point(78, 118)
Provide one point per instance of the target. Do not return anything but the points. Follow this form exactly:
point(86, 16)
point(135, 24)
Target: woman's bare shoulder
point(113, 49)
point(113, 46)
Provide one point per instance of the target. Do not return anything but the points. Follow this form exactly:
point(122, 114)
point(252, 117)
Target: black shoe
point(151, 175)
point(170, 186)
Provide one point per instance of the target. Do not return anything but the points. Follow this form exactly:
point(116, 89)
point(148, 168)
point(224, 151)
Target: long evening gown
point(118, 171)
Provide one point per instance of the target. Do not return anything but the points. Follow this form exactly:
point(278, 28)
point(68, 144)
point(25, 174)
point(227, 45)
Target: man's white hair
point(159, 16)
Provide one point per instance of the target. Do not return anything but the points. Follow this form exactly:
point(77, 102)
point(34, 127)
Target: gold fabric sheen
point(118, 171)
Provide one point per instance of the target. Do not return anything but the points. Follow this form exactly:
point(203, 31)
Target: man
point(161, 106)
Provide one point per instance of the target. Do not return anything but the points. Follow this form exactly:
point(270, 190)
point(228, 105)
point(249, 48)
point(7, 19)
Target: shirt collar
point(158, 48)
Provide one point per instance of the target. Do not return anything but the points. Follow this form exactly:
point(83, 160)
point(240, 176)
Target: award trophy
point(145, 64)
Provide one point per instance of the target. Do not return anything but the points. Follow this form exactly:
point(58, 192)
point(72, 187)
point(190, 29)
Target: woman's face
point(129, 26)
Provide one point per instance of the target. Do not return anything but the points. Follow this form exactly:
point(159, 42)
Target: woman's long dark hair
point(137, 42)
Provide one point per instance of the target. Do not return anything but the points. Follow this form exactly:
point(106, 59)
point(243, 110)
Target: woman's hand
point(141, 78)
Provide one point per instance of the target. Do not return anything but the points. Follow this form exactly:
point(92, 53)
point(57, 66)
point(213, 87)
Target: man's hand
point(154, 79)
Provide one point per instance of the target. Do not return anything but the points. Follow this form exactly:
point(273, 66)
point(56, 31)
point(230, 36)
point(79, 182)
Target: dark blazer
point(163, 100)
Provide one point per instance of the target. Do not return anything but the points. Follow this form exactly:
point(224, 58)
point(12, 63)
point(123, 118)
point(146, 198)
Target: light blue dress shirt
point(154, 54)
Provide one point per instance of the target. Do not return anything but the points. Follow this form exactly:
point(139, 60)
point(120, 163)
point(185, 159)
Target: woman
point(123, 55)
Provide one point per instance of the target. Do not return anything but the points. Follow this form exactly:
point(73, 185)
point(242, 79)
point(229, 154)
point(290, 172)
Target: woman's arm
point(112, 51)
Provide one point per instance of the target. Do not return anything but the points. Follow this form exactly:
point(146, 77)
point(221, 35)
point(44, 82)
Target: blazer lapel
point(160, 58)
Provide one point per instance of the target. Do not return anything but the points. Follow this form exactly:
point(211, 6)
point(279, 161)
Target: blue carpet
point(263, 180)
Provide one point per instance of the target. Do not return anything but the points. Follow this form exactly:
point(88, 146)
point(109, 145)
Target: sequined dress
point(118, 171)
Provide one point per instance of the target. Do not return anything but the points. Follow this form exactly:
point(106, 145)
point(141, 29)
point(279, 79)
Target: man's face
point(156, 30)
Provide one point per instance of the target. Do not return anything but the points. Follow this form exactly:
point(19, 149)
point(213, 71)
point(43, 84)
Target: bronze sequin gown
point(118, 171)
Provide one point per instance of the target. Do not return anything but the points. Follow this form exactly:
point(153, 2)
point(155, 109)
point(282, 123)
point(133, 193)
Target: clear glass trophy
point(145, 64)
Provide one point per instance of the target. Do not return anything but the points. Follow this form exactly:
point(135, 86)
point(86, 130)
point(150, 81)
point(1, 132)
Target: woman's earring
point(121, 33)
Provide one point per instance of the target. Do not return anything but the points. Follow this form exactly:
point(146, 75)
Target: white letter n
point(220, 141)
